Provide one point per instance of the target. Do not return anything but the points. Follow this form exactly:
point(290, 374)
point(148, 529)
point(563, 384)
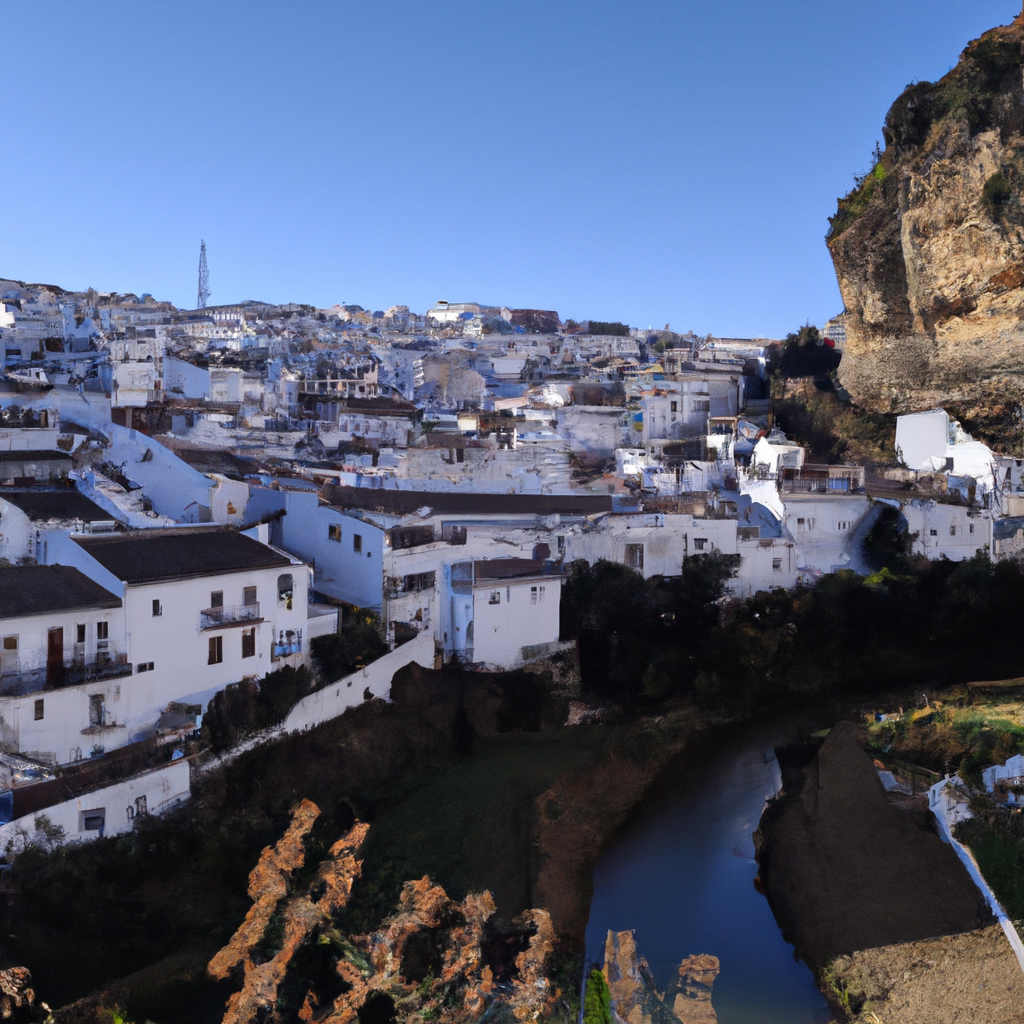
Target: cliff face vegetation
point(929, 246)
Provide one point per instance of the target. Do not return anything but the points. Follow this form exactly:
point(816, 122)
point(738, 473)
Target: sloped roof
point(66, 503)
point(149, 556)
point(35, 589)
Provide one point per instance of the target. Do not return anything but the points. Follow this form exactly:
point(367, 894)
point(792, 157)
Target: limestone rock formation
point(17, 999)
point(635, 998)
point(929, 247)
point(433, 958)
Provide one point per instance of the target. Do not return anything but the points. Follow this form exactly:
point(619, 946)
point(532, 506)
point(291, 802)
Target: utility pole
point(204, 279)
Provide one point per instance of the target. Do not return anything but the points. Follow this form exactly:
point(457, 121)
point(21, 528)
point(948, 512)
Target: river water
point(683, 878)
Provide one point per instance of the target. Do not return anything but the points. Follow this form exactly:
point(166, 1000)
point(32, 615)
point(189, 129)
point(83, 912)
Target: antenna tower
point(204, 279)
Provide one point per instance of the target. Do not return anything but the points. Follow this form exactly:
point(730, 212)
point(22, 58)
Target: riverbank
point(846, 868)
point(460, 778)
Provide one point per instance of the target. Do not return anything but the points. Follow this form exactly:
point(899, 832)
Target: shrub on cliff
point(597, 1006)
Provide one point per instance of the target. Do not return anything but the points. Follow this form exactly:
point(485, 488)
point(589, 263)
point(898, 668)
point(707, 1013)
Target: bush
point(609, 327)
point(340, 654)
point(995, 195)
point(597, 1005)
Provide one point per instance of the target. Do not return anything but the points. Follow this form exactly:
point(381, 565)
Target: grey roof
point(373, 499)
point(35, 589)
point(149, 556)
point(507, 568)
point(65, 503)
point(26, 455)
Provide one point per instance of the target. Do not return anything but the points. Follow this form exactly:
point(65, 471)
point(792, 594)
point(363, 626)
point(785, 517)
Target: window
point(216, 650)
point(700, 543)
point(248, 596)
point(970, 528)
point(334, 532)
point(560, 545)
point(674, 407)
point(776, 565)
point(92, 821)
point(102, 630)
point(952, 529)
point(357, 543)
point(285, 585)
point(40, 706)
point(801, 522)
point(635, 556)
point(80, 633)
point(157, 608)
point(10, 643)
point(144, 666)
point(217, 599)
point(702, 405)
point(97, 710)
point(842, 525)
point(248, 643)
point(141, 805)
point(933, 533)
point(495, 597)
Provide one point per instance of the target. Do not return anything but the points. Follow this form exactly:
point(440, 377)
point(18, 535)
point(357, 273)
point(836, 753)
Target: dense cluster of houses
point(188, 498)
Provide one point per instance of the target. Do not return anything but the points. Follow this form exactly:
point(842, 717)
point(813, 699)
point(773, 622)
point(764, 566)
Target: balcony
point(229, 615)
point(28, 670)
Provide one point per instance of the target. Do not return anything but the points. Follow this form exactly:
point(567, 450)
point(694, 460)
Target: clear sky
point(653, 162)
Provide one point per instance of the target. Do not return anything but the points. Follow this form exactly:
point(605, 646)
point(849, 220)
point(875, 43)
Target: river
point(682, 876)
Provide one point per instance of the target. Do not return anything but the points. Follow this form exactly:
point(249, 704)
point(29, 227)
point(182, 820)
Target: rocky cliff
point(929, 246)
point(432, 959)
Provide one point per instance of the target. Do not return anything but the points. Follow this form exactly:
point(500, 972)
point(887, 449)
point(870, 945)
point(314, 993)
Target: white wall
point(341, 571)
point(332, 700)
point(164, 789)
point(526, 615)
point(826, 530)
point(947, 531)
point(921, 436)
point(170, 483)
point(184, 379)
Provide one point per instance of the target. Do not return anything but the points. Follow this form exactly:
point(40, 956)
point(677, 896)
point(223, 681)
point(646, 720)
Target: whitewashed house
point(202, 607)
point(62, 656)
point(500, 612)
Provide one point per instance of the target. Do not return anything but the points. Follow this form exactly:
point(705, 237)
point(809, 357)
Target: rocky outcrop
point(433, 958)
point(17, 998)
point(929, 247)
point(636, 999)
point(263, 971)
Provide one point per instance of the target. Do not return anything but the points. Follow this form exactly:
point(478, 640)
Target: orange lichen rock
point(428, 957)
point(533, 995)
point(299, 915)
point(16, 993)
point(634, 996)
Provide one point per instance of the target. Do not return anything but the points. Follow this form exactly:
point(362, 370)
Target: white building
point(500, 612)
point(941, 530)
point(62, 655)
point(202, 607)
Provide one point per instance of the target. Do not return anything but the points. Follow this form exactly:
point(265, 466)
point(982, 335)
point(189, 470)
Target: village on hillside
point(190, 499)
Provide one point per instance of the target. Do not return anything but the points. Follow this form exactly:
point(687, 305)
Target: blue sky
point(651, 162)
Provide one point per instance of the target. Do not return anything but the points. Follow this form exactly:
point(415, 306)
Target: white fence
point(372, 681)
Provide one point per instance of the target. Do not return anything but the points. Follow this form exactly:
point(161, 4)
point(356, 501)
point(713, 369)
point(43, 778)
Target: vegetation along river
point(682, 876)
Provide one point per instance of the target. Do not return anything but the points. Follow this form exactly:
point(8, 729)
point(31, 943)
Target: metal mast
point(204, 279)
